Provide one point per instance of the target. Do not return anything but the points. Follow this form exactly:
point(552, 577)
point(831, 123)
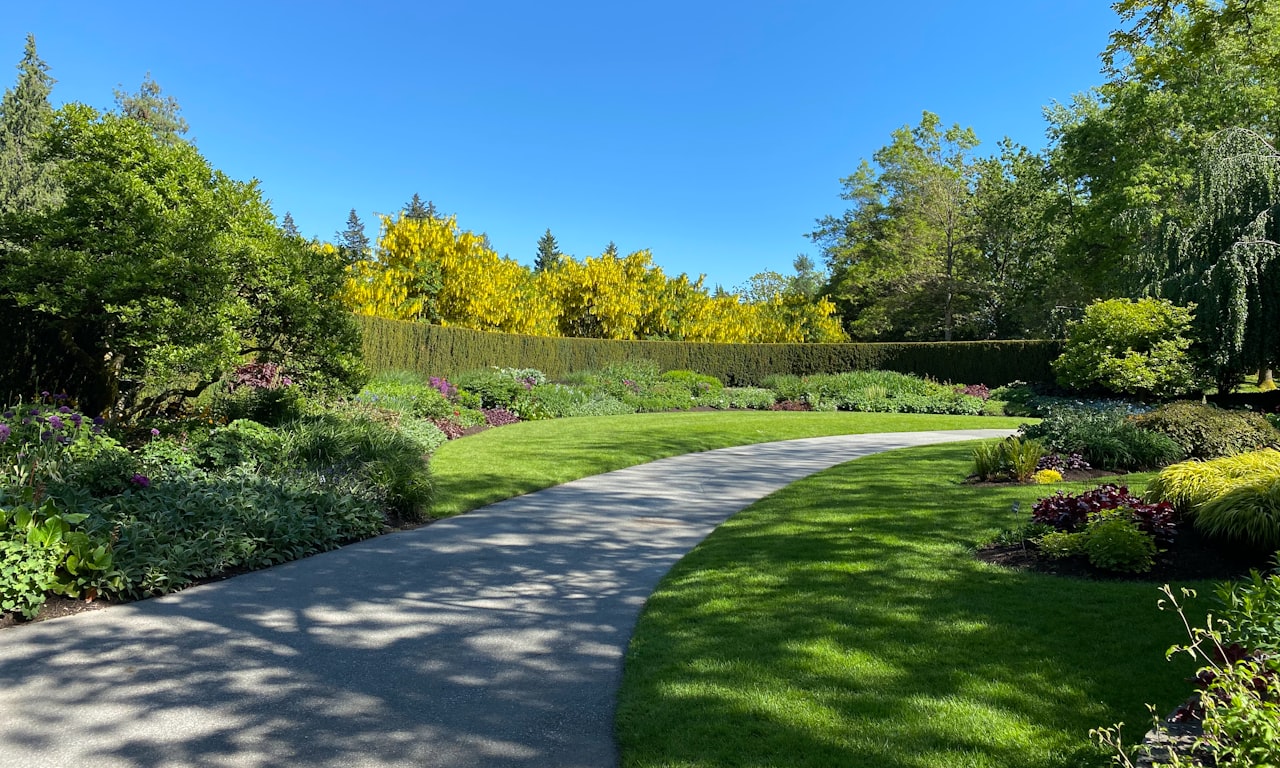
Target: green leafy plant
point(1205, 431)
point(1114, 542)
point(43, 550)
point(241, 443)
point(495, 388)
point(1059, 544)
point(1130, 347)
point(753, 398)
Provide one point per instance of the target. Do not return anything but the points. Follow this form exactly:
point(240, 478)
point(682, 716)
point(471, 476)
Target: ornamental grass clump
point(1189, 484)
point(1009, 459)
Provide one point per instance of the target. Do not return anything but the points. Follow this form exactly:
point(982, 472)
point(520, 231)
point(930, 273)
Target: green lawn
point(500, 463)
point(844, 622)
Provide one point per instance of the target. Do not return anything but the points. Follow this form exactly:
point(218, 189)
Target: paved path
point(491, 639)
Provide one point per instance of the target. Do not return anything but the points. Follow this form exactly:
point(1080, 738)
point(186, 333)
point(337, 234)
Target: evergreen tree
point(549, 254)
point(288, 227)
point(352, 241)
point(153, 109)
point(25, 183)
point(414, 209)
point(611, 250)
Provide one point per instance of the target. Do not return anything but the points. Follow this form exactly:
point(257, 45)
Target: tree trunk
point(1266, 380)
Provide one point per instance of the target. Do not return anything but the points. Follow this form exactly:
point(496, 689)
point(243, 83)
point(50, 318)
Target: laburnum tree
point(156, 274)
point(431, 270)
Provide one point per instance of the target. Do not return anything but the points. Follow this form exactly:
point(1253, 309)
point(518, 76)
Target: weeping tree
point(1225, 259)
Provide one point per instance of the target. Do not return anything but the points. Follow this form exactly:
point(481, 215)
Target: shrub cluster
point(1108, 439)
point(1009, 459)
point(1205, 431)
point(1112, 529)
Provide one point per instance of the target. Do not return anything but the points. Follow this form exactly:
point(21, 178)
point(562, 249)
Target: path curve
point(491, 639)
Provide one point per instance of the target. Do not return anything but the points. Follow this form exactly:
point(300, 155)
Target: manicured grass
point(517, 459)
point(844, 622)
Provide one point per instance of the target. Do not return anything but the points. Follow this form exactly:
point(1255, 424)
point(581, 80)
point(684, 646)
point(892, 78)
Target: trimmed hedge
point(443, 351)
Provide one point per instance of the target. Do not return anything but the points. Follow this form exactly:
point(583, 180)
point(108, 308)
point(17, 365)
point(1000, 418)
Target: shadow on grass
point(843, 622)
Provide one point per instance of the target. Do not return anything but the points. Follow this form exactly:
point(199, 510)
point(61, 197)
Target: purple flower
point(142, 481)
point(64, 409)
point(44, 393)
point(8, 414)
point(56, 422)
point(5, 432)
point(285, 381)
point(46, 437)
point(98, 421)
point(76, 419)
point(155, 432)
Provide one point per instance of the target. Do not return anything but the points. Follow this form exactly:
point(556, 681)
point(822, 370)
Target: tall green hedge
point(442, 351)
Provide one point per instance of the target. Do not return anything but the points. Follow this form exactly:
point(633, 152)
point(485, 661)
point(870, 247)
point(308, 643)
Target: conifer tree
point(549, 254)
point(352, 241)
point(611, 250)
point(25, 183)
point(415, 209)
point(288, 227)
point(151, 107)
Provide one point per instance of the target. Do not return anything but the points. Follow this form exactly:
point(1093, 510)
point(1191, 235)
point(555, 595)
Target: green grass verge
point(521, 458)
point(843, 621)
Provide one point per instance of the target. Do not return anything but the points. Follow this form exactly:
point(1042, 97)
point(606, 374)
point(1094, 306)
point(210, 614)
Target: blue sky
point(712, 133)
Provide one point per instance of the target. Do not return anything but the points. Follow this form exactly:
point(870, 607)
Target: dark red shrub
point(1067, 512)
point(499, 417)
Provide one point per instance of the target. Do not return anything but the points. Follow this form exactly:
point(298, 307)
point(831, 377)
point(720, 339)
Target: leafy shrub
point(657, 397)
point(874, 392)
point(1252, 611)
point(103, 472)
point(1117, 543)
point(554, 401)
point(371, 452)
point(426, 435)
point(754, 398)
point(241, 443)
point(165, 454)
point(407, 394)
point(1071, 463)
point(1046, 477)
point(1071, 513)
point(980, 391)
point(1130, 347)
point(1060, 544)
point(499, 417)
point(529, 377)
point(1248, 512)
point(495, 388)
point(1189, 484)
point(1104, 438)
point(698, 384)
point(1205, 431)
point(1009, 459)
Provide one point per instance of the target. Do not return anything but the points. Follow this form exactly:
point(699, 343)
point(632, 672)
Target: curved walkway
point(491, 639)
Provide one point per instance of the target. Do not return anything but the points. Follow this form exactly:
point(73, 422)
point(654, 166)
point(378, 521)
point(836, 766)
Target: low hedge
point(436, 350)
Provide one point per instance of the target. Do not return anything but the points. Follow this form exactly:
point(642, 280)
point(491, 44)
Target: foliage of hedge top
point(1207, 432)
point(437, 350)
